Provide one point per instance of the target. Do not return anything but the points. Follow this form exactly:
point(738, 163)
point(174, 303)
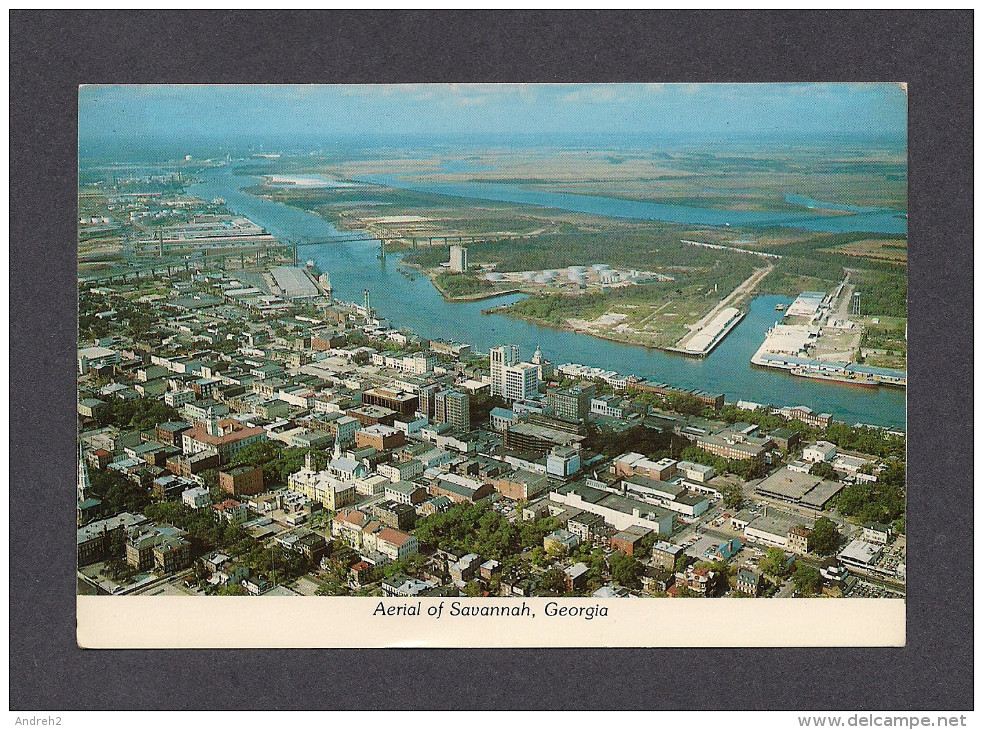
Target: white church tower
point(83, 478)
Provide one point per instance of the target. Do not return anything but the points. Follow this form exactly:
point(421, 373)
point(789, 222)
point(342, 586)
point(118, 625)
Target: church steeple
point(83, 477)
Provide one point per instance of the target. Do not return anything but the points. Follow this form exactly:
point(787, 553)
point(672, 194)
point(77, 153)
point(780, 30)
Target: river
point(868, 220)
point(415, 304)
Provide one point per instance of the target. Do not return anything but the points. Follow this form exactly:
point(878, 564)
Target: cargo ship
point(864, 381)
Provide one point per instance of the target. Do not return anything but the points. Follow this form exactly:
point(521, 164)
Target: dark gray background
point(53, 52)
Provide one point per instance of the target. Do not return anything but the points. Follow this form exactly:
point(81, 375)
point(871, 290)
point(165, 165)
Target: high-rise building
point(521, 381)
point(453, 407)
point(501, 358)
point(570, 403)
point(459, 259)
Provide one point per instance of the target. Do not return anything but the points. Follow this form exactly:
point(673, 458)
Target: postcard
point(475, 365)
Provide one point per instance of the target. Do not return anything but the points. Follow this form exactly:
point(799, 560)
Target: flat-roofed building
point(499, 359)
point(241, 480)
point(522, 485)
point(617, 510)
point(454, 407)
point(632, 464)
point(732, 444)
point(380, 437)
point(772, 528)
point(795, 487)
point(571, 403)
point(522, 436)
point(104, 538)
point(459, 488)
point(459, 259)
point(520, 382)
point(627, 541)
point(665, 554)
point(693, 472)
point(861, 556)
point(821, 451)
point(294, 283)
point(405, 404)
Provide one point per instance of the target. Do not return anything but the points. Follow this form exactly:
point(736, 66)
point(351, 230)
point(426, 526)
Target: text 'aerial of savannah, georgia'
point(503, 340)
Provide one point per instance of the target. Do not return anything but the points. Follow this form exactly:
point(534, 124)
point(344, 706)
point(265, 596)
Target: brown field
point(894, 251)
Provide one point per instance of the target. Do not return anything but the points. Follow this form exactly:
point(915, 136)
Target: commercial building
point(806, 490)
point(459, 259)
point(453, 407)
point(379, 437)
point(522, 436)
point(573, 403)
point(241, 480)
point(732, 443)
point(633, 464)
point(522, 485)
point(292, 283)
point(699, 473)
point(617, 510)
point(459, 488)
point(520, 382)
point(563, 461)
point(499, 359)
point(405, 404)
point(96, 358)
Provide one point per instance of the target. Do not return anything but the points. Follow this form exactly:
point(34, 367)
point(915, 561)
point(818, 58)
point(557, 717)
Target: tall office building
point(572, 403)
point(459, 259)
point(501, 358)
point(520, 381)
point(453, 407)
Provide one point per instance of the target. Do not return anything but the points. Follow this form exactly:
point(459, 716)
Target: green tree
point(117, 492)
point(807, 580)
point(825, 538)
point(626, 570)
point(232, 590)
point(682, 562)
point(473, 589)
point(774, 563)
point(553, 581)
point(899, 525)
point(733, 496)
point(824, 470)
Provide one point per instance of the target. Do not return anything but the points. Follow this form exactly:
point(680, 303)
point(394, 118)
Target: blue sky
point(708, 110)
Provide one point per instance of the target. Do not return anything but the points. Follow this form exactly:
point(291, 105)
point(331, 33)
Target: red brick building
point(241, 480)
